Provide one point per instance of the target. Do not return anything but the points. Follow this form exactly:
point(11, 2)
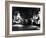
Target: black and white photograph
point(25, 18)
